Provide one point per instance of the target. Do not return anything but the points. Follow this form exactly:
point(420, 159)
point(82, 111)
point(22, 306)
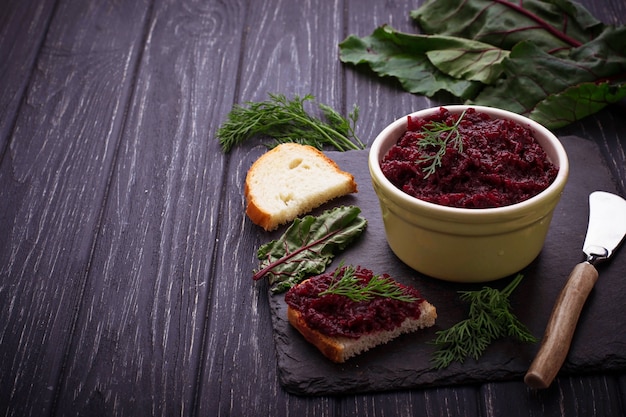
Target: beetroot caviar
point(500, 163)
point(337, 315)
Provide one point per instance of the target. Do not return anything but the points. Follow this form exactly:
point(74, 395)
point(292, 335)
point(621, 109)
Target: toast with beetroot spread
point(351, 310)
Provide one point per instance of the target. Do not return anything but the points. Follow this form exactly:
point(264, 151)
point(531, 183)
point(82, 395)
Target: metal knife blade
point(607, 225)
point(605, 231)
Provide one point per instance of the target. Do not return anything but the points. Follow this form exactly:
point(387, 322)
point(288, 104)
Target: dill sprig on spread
point(288, 121)
point(437, 135)
point(490, 318)
point(349, 285)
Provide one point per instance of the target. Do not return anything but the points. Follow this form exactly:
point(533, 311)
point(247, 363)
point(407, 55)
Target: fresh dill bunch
point(349, 285)
point(288, 121)
point(437, 135)
point(490, 318)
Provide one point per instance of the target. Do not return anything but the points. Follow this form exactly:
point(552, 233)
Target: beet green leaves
point(308, 246)
point(549, 60)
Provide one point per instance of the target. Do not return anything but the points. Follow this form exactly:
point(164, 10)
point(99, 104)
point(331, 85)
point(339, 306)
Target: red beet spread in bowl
point(337, 315)
point(500, 163)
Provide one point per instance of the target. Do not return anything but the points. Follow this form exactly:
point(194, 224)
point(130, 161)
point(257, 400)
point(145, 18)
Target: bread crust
point(270, 221)
point(331, 348)
point(256, 214)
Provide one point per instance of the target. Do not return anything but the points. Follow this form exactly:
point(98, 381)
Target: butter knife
point(605, 231)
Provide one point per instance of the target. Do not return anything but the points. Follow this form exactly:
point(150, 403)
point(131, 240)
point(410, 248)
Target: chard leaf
point(308, 246)
point(576, 102)
point(532, 76)
point(551, 25)
point(480, 64)
point(404, 56)
point(538, 57)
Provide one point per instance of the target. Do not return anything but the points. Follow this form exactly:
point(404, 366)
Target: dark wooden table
point(125, 254)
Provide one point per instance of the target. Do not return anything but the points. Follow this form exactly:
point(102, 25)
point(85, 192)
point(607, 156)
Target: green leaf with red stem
point(556, 91)
point(550, 60)
point(551, 25)
point(580, 100)
point(308, 246)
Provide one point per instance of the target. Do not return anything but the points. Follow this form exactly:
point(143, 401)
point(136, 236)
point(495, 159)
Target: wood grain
point(54, 178)
point(23, 26)
point(151, 279)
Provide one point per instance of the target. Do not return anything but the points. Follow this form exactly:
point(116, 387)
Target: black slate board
point(599, 343)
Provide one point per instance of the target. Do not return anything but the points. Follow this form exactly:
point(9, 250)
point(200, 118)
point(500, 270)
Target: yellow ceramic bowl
point(466, 245)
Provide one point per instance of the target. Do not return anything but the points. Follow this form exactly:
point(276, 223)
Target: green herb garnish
point(490, 318)
point(349, 285)
point(288, 121)
point(438, 135)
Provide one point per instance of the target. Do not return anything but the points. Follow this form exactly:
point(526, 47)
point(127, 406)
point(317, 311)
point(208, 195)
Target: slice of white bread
point(340, 348)
point(291, 180)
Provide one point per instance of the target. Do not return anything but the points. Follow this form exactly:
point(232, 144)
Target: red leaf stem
point(544, 25)
point(260, 274)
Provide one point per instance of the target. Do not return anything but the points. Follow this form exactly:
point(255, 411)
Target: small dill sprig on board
point(490, 318)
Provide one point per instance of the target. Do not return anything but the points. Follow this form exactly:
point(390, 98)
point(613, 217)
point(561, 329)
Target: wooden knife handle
point(560, 330)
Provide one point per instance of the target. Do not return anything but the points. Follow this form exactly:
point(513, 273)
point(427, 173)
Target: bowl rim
point(552, 191)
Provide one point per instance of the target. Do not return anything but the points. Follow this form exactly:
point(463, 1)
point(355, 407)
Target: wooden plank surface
point(151, 279)
point(23, 27)
point(54, 177)
point(125, 255)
